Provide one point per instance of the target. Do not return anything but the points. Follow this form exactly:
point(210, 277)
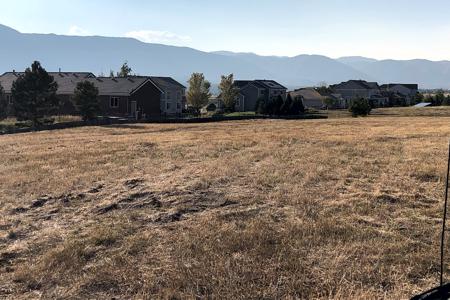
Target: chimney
point(59, 70)
point(14, 72)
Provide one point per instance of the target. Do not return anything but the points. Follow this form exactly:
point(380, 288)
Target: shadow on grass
point(125, 126)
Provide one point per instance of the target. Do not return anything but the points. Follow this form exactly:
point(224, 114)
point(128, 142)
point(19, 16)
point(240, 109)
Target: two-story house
point(409, 91)
point(172, 97)
point(252, 90)
point(354, 89)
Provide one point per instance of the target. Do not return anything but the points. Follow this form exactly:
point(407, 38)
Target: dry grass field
point(327, 209)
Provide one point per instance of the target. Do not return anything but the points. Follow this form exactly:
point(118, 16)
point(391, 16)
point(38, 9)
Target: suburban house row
point(136, 96)
point(153, 96)
point(342, 94)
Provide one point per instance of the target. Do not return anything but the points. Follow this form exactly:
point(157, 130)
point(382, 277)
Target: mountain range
point(100, 54)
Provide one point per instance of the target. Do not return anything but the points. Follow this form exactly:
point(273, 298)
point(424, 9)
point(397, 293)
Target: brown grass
point(344, 208)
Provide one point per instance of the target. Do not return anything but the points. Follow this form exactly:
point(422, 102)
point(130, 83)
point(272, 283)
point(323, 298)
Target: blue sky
point(397, 29)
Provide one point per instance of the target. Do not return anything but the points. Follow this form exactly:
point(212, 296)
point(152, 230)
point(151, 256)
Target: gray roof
point(241, 83)
point(406, 85)
point(114, 86)
point(270, 84)
point(166, 83)
point(64, 79)
point(308, 94)
point(261, 83)
point(117, 86)
point(361, 83)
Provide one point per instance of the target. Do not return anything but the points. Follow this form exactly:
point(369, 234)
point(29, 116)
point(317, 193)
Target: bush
point(211, 107)
point(261, 106)
point(280, 107)
point(360, 107)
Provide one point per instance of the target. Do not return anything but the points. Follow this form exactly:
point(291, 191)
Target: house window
point(168, 95)
point(238, 103)
point(178, 105)
point(114, 102)
point(179, 95)
point(9, 99)
point(168, 105)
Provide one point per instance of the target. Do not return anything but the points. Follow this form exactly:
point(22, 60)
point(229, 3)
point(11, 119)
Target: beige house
point(311, 98)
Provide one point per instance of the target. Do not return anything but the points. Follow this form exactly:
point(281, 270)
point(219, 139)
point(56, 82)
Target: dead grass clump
point(57, 266)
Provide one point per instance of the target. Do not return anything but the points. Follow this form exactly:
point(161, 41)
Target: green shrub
point(360, 107)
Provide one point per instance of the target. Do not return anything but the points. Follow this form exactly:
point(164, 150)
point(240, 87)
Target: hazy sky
point(398, 29)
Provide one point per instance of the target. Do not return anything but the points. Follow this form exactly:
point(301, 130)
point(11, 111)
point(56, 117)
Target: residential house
point(354, 89)
point(136, 96)
point(409, 91)
point(252, 90)
point(63, 79)
point(311, 98)
point(173, 97)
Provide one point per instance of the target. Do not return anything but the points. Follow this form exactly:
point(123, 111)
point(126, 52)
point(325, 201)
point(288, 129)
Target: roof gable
point(356, 84)
point(307, 94)
point(164, 83)
point(259, 83)
point(118, 86)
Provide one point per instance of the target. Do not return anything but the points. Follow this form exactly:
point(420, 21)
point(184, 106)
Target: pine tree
point(86, 100)
point(34, 94)
point(277, 105)
point(261, 106)
point(285, 109)
point(297, 106)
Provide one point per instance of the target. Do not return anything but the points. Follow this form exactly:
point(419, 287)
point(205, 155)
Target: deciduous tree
point(199, 91)
point(125, 70)
point(228, 92)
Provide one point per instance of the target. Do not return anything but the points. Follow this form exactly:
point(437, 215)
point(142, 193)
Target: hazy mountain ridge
point(101, 54)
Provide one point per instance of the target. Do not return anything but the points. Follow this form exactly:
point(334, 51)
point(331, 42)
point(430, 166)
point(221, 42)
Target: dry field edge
point(318, 209)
